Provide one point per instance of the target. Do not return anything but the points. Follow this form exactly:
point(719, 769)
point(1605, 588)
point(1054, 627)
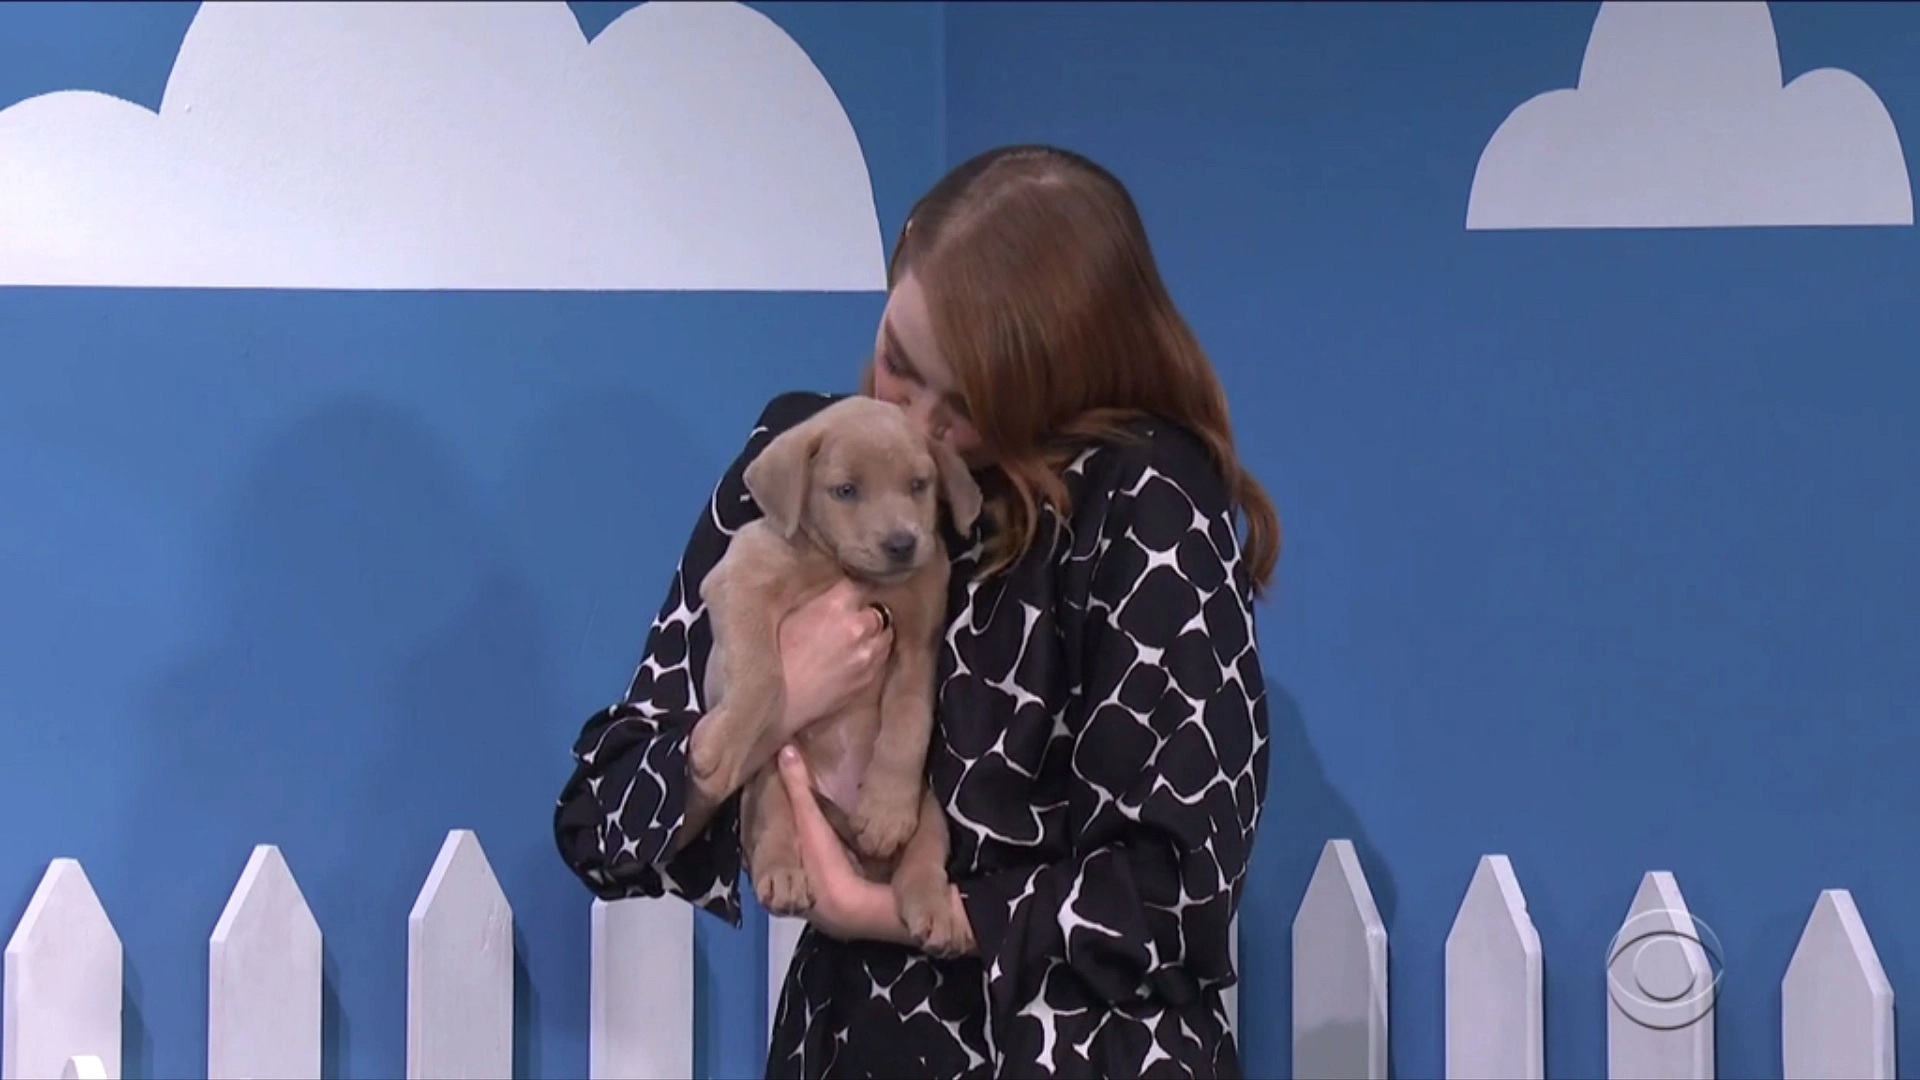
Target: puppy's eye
point(843, 491)
point(917, 485)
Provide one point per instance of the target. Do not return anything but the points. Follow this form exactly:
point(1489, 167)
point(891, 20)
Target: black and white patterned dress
point(1101, 752)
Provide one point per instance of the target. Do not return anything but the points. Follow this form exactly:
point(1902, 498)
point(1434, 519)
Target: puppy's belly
point(838, 758)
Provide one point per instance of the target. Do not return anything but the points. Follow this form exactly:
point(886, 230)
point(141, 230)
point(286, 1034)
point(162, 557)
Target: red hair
point(1050, 311)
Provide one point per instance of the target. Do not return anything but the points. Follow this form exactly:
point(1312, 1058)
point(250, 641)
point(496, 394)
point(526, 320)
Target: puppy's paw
point(784, 890)
point(926, 906)
point(881, 826)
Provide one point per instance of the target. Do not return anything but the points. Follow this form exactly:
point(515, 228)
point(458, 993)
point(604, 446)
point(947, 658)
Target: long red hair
point(1050, 310)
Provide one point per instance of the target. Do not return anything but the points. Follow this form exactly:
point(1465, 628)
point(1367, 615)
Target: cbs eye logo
point(1664, 970)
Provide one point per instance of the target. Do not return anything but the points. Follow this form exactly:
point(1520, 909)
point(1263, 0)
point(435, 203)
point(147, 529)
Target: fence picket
point(1496, 1009)
point(64, 969)
point(64, 982)
point(641, 989)
point(263, 978)
point(1339, 974)
point(1661, 985)
point(84, 1067)
point(1836, 1005)
point(460, 968)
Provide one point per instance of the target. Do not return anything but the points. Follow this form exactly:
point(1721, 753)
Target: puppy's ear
point(777, 478)
point(956, 482)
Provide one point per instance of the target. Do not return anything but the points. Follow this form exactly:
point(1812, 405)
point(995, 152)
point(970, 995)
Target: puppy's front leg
point(773, 852)
point(751, 691)
point(922, 890)
point(889, 806)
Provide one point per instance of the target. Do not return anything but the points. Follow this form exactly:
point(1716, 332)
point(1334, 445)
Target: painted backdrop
point(1593, 448)
point(328, 529)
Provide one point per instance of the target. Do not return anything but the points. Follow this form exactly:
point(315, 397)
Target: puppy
point(853, 491)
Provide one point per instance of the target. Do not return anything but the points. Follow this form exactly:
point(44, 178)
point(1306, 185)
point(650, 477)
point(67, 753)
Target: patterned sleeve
point(1168, 760)
point(627, 794)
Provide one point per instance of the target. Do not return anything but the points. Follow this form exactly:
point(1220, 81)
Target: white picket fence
point(64, 982)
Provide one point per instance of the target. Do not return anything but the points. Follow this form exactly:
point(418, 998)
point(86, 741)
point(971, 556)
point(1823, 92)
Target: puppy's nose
point(898, 546)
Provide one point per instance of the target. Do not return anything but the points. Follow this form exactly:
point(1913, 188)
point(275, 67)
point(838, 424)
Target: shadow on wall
point(1303, 812)
point(338, 712)
point(136, 1041)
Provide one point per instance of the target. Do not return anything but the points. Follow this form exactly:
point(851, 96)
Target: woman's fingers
point(820, 847)
point(799, 784)
point(793, 773)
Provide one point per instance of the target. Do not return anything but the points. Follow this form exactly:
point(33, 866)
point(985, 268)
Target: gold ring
point(886, 617)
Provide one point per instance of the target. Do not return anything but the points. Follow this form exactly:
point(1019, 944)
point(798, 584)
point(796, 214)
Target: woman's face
point(909, 371)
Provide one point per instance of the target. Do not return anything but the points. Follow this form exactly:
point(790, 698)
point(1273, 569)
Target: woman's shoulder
point(791, 407)
point(1149, 452)
point(1149, 492)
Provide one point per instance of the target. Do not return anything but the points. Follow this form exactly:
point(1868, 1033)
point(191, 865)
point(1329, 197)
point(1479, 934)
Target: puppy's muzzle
point(899, 547)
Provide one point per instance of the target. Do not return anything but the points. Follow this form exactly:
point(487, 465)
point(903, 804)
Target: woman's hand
point(846, 905)
point(831, 649)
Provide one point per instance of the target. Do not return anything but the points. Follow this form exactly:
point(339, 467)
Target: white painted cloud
point(438, 145)
point(1679, 121)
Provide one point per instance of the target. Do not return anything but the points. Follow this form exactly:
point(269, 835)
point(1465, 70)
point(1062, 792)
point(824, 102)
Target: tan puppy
point(853, 491)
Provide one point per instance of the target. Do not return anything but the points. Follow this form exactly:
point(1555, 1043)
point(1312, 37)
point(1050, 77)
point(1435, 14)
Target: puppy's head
point(858, 480)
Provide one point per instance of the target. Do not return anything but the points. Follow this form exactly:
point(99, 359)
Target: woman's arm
point(1168, 766)
point(629, 821)
point(846, 903)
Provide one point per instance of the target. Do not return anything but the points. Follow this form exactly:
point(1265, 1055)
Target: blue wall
point(343, 571)
point(1600, 546)
point(1603, 545)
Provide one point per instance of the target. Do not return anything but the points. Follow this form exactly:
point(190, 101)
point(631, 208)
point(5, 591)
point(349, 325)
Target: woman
point(1101, 737)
